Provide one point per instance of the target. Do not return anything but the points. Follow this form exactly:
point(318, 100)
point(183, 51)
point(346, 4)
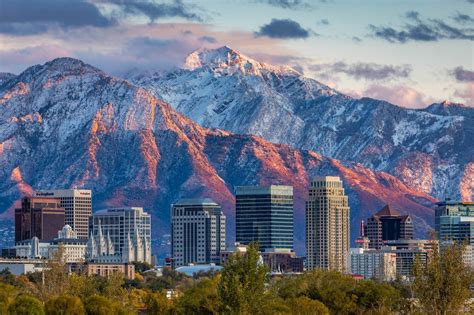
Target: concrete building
point(327, 225)
point(388, 225)
point(373, 264)
point(22, 266)
point(108, 269)
point(77, 204)
point(120, 235)
point(197, 232)
point(407, 251)
point(74, 249)
point(265, 215)
point(38, 217)
point(283, 261)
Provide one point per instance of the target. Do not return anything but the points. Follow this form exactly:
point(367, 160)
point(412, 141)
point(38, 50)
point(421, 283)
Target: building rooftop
point(264, 190)
point(196, 201)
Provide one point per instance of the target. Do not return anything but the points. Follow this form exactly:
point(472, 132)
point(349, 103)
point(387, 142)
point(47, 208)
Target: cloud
point(154, 11)
point(356, 39)
point(463, 18)
point(283, 29)
point(419, 30)
point(324, 22)
point(34, 17)
point(208, 39)
point(462, 75)
point(362, 70)
point(401, 95)
point(466, 94)
point(287, 4)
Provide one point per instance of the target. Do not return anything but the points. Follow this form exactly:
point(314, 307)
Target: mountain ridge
point(78, 126)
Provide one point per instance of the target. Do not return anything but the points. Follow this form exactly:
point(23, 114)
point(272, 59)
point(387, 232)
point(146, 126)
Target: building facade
point(265, 215)
point(198, 232)
point(120, 235)
point(327, 225)
point(388, 225)
point(38, 217)
point(74, 249)
point(373, 264)
point(78, 207)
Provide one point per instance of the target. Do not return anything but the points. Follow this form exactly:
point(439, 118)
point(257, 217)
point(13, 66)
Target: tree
point(378, 297)
point(200, 299)
point(157, 304)
point(99, 305)
point(26, 305)
point(305, 306)
point(65, 305)
point(442, 285)
point(241, 288)
point(7, 296)
point(55, 275)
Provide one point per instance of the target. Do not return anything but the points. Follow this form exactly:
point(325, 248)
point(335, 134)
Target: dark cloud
point(367, 71)
point(463, 18)
point(25, 17)
point(208, 39)
point(155, 11)
point(462, 75)
point(356, 39)
point(284, 29)
point(324, 22)
point(287, 4)
point(419, 30)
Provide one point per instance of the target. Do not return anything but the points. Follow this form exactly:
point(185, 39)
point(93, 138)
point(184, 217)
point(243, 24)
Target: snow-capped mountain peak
point(226, 59)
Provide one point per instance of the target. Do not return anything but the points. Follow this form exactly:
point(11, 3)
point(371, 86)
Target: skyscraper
point(265, 215)
point(388, 225)
point(78, 206)
point(120, 232)
point(38, 217)
point(327, 224)
point(197, 232)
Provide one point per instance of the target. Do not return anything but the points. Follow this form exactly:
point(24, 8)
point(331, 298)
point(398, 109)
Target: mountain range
point(65, 124)
point(430, 150)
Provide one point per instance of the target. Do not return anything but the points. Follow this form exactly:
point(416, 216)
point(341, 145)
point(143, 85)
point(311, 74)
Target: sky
point(409, 52)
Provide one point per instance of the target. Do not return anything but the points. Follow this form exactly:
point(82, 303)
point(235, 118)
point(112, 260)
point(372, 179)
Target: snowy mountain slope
point(430, 150)
point(66, 124)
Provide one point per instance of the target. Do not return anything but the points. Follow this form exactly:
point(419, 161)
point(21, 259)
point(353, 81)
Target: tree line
point(243, 287)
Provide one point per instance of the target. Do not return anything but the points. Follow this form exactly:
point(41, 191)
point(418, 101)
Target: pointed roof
point(387, 211)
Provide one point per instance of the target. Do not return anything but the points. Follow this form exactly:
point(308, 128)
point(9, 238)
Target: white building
point(197, 232)
point(120, 235)
point(74, 249)
point(77, 204)
point(373, 264)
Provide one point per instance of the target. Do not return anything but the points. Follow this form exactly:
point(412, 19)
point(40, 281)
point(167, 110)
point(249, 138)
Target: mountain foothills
point(66, 123)
point(429, 150)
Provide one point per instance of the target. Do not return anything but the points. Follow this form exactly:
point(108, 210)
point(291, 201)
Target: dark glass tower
point(265, 215)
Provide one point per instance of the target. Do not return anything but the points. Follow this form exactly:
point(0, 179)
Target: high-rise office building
point(78, 206)
point(327, 224)
point(120, 235)
point(197, 232)
point(265, 215)
point(388, 225)
point(454, 222)
point(38, 217)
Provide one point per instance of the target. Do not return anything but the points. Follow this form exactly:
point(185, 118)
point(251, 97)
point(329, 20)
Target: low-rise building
point(107, 269)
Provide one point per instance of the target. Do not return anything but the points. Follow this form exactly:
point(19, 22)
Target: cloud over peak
point(362, 70)
point(283, 29)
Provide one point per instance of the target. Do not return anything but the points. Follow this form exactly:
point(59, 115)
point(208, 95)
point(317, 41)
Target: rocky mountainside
point(430, 150)
point(66, 124)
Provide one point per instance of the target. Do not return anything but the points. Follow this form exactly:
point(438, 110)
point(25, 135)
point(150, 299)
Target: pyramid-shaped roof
point(387, 211)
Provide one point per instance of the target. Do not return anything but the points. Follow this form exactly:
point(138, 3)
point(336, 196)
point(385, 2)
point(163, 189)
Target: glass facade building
point(265, 215)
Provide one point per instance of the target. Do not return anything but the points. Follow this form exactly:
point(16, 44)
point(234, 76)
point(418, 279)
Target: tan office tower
point(77, 204)
point(327, 225)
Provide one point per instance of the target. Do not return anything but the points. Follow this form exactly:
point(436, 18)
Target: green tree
point(157, 304)
point(99, 305)
point(7, 296)
point(241, 288)
point(200, 299)
point(442, 285)
point(379, 298)
point(26, 305)
point(65, 305)
point(305, 306)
